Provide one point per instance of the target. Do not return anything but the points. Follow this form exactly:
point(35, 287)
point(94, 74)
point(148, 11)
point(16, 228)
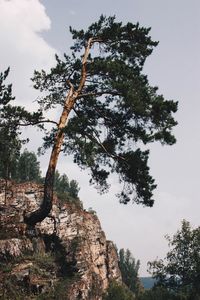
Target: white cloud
point(22, 46)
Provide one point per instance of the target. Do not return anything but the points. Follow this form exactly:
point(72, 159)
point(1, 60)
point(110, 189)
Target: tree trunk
point(6, 185)
point(46, 206)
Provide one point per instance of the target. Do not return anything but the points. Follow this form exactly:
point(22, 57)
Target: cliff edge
point(66, 256)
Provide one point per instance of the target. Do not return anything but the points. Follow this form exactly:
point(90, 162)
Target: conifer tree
point(10, 146)
point(129, 268)
point(108, 110)
point(28, 167)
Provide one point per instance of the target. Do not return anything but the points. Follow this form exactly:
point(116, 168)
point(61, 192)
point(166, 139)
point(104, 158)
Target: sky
point(32, 31)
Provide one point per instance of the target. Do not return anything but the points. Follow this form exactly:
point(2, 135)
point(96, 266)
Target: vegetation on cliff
point(66, 256)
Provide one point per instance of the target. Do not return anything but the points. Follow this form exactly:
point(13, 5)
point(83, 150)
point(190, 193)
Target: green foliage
point(10, 146)
point(159, 293)
point(5, 267)
point(44, 261)
point(73, 188)
point(12, 117)
point(61, 184)
point(129, 268)
point(13, 165)
point(28, 167)
point(180, 270)
point(118, 291)
point(116, 110)
point(66, 190)
point(5, 92)
point(11, 120)
point(60, 290)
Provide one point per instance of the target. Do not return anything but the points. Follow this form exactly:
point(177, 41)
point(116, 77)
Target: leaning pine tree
point(108, 108)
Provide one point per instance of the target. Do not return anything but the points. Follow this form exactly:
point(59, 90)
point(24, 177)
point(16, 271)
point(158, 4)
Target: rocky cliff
point(66, 256)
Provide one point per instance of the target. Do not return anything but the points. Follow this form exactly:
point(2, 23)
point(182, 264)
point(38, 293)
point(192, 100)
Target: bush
point(118, 291)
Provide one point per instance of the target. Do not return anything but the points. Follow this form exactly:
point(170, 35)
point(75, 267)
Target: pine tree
point(28, 167)
point(10, 146)
point(129, 268)
point(108, 110)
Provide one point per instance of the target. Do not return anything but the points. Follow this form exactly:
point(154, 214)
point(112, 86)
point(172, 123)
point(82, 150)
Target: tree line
point(177, 276)
point(25, 167)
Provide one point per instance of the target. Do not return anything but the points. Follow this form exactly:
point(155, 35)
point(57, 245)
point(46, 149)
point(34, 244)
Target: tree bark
point(6, 184)
point(46, 206)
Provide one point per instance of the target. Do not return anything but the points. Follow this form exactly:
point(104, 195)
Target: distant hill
point(147, 282)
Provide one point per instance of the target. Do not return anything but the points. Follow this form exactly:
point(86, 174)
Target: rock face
point(66, 256)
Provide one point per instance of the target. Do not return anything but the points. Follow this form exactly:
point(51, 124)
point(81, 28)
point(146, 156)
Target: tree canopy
point(14, 117)
point(10, 142)
point(10, 146)
point(129, 268)
point(28, 167)
point(180, 270)
point(117, 291)
point(65, 188)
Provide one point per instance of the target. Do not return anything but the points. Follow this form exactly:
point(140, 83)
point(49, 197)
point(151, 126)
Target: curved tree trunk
point(46, 206)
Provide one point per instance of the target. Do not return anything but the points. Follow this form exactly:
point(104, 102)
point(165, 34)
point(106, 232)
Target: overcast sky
point(32, 31)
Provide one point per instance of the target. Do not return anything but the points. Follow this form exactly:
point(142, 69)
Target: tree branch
point(99, 143)
point(84, 71)
point(36, 123)
point(98, 94)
